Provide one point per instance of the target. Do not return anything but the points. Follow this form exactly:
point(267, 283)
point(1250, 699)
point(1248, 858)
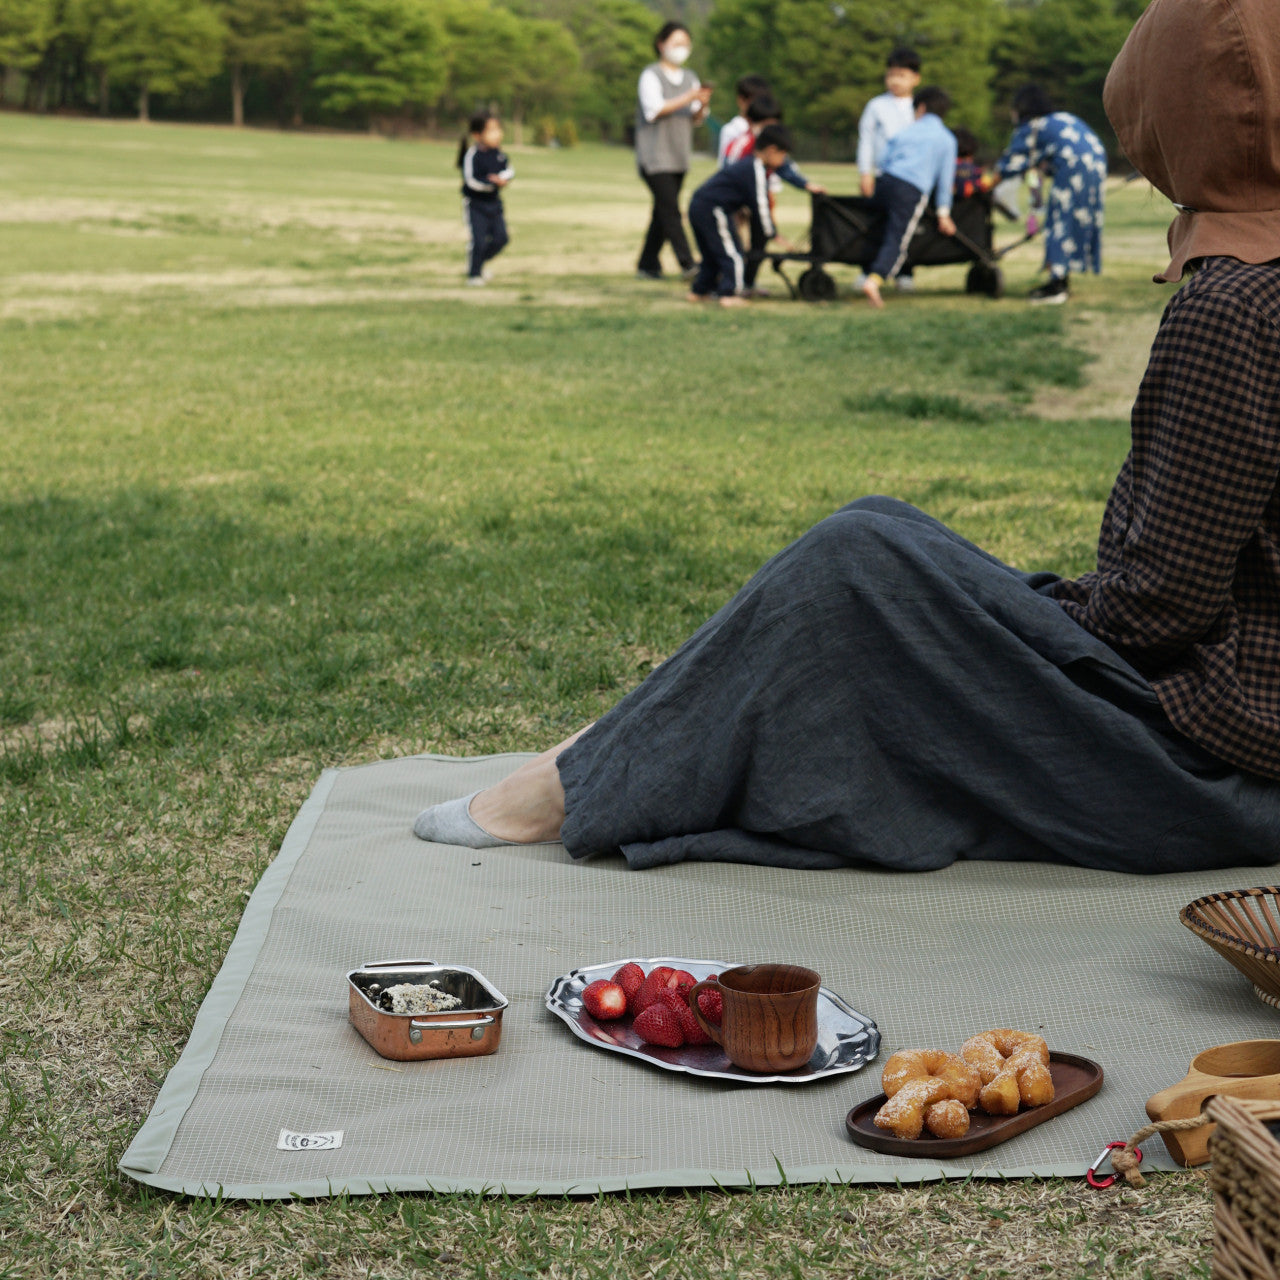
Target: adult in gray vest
point(671, 102)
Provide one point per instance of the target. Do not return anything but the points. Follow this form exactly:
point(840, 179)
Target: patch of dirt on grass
point(1118, 343)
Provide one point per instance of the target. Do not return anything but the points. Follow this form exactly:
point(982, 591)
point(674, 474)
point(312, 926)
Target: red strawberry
point(711, 1002)
point(681, 979)
point(605, 1001)
point(649, 988)
point(672, 999)
point(658, 1025)
point(629, 978)
point(693, 1033)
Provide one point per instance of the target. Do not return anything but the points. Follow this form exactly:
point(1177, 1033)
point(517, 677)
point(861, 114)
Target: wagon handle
point(393, 964)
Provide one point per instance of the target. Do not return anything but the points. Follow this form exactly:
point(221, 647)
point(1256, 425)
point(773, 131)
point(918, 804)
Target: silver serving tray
point(847, 1039)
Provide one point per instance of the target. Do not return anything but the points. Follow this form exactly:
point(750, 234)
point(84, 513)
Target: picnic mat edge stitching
point(150, 1146)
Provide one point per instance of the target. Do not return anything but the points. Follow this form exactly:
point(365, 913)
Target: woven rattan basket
point(1245, 1178)
point(1243, 926)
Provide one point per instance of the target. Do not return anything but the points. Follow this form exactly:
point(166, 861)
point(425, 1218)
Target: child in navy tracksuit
point(918, 161)
point(744, 184)
point(485, 171)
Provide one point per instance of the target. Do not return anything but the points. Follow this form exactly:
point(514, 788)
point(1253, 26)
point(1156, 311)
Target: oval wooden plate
point(1075, 1080)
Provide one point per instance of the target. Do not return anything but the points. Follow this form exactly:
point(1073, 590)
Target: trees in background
point(372, 57)
point(348, 61)
point(506, 60)
point(264, 37)
point(826, 57)
point(1066, 46)
point(152, 46)
point(615, 40)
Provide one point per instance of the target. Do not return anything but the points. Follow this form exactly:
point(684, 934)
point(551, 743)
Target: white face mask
point(676, 54)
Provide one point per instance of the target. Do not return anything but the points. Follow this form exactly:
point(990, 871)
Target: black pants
point(904, 205)
point(723, 268)
point(488, 230)
point(665, 224)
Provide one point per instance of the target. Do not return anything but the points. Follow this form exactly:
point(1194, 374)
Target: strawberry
point(658, 1025)
point(629, 978)
point(648, 989)
point(711, 1003)
point(693, 1033)
point(604, 1000)
point(671, 999)
point(681, 980)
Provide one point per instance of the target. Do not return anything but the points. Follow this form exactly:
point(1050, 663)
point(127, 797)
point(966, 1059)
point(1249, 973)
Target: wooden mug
point(1245, 1069)
point(770, 1017)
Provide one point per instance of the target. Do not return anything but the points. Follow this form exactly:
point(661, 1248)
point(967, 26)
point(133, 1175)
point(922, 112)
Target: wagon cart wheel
point(816, 285)
point(985, 279)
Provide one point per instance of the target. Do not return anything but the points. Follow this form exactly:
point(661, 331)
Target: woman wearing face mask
point(671, 102)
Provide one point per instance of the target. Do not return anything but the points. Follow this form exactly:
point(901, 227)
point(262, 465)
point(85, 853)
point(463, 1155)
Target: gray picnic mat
point(1096, 962)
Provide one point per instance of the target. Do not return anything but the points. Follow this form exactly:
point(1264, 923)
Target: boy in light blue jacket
point(918, 163)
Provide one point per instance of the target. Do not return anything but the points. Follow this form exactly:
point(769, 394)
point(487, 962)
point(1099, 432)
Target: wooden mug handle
point(710, 984)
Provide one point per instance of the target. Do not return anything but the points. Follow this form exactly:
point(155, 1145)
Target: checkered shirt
point(1187, 587)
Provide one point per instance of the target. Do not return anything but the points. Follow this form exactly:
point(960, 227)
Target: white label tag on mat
point(290, 1141)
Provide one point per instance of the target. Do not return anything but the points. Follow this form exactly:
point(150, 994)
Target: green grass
point(276, 493)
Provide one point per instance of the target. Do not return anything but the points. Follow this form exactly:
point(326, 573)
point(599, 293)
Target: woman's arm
point(1204, 467)
point(1019, 155)
point(653, 106)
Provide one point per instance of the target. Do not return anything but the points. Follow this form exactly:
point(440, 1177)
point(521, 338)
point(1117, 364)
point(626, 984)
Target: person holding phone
point(671, 100)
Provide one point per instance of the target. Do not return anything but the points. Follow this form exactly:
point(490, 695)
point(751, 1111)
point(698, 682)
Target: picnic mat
point(1096, 962)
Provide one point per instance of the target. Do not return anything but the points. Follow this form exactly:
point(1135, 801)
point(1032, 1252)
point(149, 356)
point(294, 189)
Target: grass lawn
point(277, 493)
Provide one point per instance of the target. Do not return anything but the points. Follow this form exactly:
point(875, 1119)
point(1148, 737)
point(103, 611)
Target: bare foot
point(871, 289)
point(695, 297)
point(732, 300)
point(527, 806)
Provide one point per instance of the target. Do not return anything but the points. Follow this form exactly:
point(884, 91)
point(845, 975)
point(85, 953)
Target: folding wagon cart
point(848, 230)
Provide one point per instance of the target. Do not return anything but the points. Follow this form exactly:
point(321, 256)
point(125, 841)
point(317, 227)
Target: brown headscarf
point(1194, 97)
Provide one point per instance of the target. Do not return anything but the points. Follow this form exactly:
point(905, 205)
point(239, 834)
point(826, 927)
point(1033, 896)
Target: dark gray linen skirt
point(884, 691)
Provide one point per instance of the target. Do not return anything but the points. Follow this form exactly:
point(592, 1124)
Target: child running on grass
point(485, 171)
point(918, 161)
point(744, 184)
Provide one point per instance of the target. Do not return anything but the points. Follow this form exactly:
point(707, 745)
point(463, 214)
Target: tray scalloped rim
point(561, 999)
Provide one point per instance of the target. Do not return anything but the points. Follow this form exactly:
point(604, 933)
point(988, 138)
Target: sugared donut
point(961, 1079)
point(921, 1084)
point(947, 1119)
point(904, 1113)
point(1014, 1069)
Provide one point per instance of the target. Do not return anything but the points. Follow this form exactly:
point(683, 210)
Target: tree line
point(430, 63)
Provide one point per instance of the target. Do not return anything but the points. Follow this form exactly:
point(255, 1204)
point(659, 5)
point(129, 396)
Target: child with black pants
point(485, 171)
point(744, 184)
point(917, 162)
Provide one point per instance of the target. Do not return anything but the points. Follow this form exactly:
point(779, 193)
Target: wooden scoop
point(1245, 1069)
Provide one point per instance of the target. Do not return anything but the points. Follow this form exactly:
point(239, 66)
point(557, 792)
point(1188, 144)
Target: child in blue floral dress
point(1070, 151)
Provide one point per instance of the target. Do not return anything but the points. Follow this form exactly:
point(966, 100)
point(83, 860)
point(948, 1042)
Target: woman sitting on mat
point(884, 691)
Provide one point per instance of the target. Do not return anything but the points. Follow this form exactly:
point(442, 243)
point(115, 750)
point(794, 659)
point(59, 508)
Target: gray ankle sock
point(452, 823)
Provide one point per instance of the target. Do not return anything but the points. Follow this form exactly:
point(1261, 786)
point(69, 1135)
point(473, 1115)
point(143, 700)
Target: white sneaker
point(905, 284)
point(475, 282)
point(486, 274)
point(861, 282)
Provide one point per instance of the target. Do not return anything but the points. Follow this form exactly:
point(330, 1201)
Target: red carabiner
point(1103, 1183)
